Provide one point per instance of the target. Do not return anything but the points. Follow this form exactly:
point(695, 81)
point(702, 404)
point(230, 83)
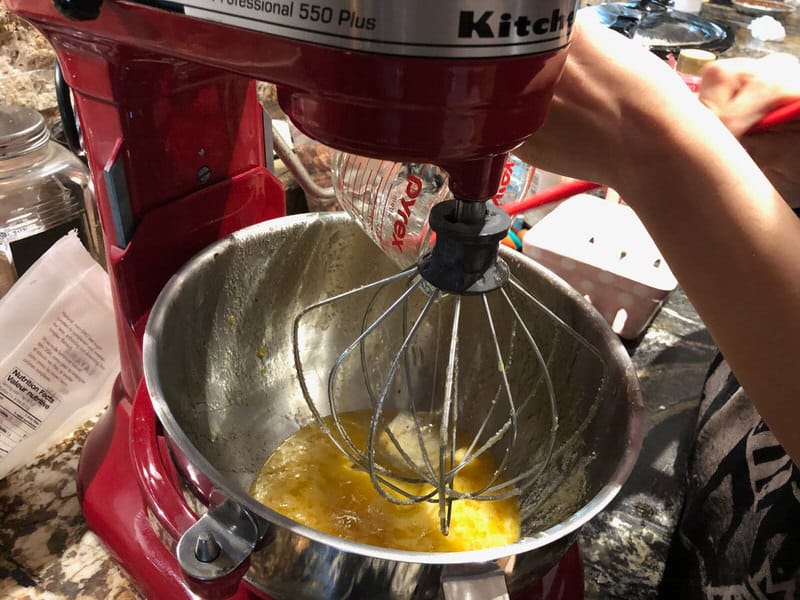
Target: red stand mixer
point(175, 140)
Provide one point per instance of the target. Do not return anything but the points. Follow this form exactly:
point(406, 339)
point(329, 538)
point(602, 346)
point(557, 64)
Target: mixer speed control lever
point(79, 10)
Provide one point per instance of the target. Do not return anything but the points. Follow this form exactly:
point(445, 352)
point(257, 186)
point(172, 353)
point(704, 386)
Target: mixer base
point(116, 510)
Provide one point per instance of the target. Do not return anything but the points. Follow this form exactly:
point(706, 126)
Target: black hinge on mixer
point(162, 4)
point(79, 10)
point(88, 10)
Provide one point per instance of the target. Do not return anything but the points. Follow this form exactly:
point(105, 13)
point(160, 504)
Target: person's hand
point(741, 91)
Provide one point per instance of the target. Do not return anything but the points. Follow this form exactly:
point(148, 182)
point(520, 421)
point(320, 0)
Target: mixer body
point(175, 136)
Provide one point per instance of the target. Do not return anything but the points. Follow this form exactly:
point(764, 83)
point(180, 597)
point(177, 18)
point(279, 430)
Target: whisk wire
point(429, 475)
point(507, 489)
point(378, 413)
point(534, 473)
point(558, 320)
point(447, 433)
point(298, 361)
point(511, 423)
point(345, 436)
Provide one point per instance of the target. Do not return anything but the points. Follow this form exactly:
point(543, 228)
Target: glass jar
point(45, 191)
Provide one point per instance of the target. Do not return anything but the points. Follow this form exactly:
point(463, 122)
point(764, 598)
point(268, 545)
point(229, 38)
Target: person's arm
point(622, 118)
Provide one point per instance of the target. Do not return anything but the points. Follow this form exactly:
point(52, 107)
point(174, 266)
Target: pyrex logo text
point(506, 25)
point(399, 229)
point(508, 171)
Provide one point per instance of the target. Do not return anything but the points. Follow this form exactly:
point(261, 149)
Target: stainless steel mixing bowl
point(219, 366)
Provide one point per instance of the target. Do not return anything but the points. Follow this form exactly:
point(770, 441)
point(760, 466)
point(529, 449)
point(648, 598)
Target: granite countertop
point(745, 44)
point(625, 547)
point(46, 550)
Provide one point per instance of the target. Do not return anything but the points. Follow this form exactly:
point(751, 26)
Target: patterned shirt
point(739, 535)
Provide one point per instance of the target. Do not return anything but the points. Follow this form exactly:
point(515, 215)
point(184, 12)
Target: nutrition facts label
point(24, 404)
point(64, 355)
point(58, 351)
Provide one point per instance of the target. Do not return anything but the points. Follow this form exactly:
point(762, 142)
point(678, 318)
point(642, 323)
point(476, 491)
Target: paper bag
point(58, 351)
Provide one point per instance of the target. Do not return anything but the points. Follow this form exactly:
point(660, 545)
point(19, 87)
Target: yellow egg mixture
point(310, 480)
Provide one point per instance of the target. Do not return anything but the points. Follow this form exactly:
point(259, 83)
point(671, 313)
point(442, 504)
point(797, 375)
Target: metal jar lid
point(691, 60)
point(22, 130)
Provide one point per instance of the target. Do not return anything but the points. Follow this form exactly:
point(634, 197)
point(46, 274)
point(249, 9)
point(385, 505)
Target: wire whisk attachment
point(451, 377)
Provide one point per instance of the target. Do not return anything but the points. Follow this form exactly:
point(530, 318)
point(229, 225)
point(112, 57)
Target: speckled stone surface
point(745, 44)
point(26, 66)
point(625, 547)
point(46, 550)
